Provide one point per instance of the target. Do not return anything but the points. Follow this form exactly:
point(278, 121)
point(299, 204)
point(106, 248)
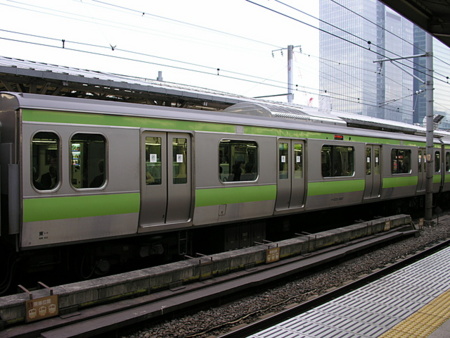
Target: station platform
point(411, 302)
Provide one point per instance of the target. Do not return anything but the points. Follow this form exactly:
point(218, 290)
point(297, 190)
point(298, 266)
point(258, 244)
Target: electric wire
point(67, 43)
point(197, 26)
point(123, 27)
point(144, 13)
point(381, 27)
point(309, 91)
point(340, 29)
point(258, 41)
point(324, 31)
point(338, 96)
point(324, 61)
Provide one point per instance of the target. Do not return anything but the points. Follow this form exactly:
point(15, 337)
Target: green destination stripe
point(122, 121)
point(437, 178)
point(394, 182)
point(335, 187)
point(232, 195)
point(285, 132)
point(327, 136)
point(52, 208)
point(155, 123)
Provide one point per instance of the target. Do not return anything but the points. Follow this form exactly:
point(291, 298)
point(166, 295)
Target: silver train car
point(87, 171)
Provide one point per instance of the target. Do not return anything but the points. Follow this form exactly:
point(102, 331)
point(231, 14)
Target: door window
point(179, 162)
point(298, 157)
point(283, 153)
point(153, 160)
point(376, 165)
point(368, 161)
point(437, 161)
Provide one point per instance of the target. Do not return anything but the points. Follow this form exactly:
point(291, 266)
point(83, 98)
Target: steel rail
point(322, 299)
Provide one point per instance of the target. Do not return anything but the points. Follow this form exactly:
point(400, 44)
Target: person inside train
point(238, 169)
point(149, 179)
point(100, 178)
point(49, 179)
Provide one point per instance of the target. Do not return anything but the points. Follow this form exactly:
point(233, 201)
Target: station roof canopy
point(34, 77)
point(433, 16)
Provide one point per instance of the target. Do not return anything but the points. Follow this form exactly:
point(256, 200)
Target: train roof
point(304, 114)
point(246, 114)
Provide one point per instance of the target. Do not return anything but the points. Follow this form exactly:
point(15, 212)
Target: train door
point(291, 175)
point(373, 172)
point(166, 181)
point(422, 170)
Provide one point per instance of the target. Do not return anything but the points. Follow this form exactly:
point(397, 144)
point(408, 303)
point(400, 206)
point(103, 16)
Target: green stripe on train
point(288, 133)
point(232, 195)
point(335, 187)
point(158, 123)
point(394, 182)
point(122, 121)
point(52, 208)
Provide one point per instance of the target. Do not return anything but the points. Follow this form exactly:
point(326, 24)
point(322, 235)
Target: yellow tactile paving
point(425, 321)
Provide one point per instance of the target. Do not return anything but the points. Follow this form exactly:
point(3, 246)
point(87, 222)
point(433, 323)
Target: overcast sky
point(186, 40)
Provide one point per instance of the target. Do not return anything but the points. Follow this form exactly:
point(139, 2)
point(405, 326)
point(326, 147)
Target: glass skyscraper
point(357, 33)
point(441, 81)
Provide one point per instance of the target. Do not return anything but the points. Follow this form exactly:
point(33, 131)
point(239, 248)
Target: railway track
point(332, 294)
point(113, 317)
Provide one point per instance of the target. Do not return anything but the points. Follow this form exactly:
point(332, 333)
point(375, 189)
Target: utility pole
point(429, 124)
point(290, 73)
point(430, 128)
point(290, 61)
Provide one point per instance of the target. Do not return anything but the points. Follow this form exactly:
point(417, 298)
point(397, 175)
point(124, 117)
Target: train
point(95, 182)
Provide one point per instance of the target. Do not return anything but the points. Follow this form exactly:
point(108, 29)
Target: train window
point(153, 160)
point(283, 160)
point(337, 161)
point(421, 158)
point(238, 160)
point(368, 161)
point(87, 161)
point(45, 160)
point(376, 166)
point(298, 158)
point(401, 161)
point(447, 161)
point(179, 160)
point(437, 161)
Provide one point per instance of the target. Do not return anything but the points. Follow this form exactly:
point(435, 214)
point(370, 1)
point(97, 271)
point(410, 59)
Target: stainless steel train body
point(124, 170)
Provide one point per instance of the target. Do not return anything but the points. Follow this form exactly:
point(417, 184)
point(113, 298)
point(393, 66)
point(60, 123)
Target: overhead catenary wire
point(129, 59)
point(334, 95)
point(123, 8)
point(325, 61)
point(144, 13)
point(337, 36)
point(310, 90)
point(384, 29)
point(332, 34)
point(207, 70)
point(213, 70)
